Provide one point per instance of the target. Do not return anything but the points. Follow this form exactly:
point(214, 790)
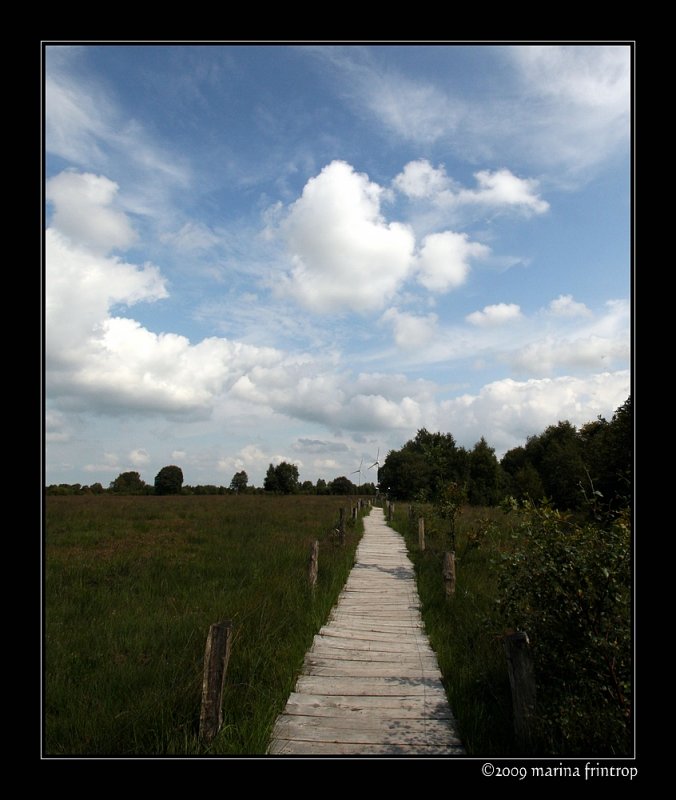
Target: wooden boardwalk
point(370, 683)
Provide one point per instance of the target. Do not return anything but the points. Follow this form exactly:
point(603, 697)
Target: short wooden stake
point(216, 656)
point(354, 512)
point(313, 567)
point(421, 533)
point(341, 526)
point(522, 681)
point(449, 573)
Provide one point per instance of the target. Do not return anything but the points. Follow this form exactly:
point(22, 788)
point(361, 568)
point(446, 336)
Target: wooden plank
point(284, 747)
point(345, 632)
point(399, 711)
point(436, 701)
point(347, 659)
point(370, 685)
point(393, 645)
point(372, 656)
point(334, 729)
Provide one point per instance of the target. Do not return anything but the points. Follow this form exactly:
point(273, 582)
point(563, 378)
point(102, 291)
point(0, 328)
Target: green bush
point(568, 585)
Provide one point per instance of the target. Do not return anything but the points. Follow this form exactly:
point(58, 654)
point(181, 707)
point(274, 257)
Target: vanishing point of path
point(370, 683)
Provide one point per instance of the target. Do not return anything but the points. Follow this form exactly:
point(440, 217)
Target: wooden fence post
point(421, 533)
point(341, 526)
point(216, 656)
point(449, 573)
point(313, 567)
point(354, 513)
point(522, 681)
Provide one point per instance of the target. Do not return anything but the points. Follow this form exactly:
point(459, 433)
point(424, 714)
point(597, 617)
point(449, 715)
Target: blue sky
point(307, 253)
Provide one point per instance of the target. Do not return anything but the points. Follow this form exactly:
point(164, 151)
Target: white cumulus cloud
point(444, 260)
point(345, 255)
point(498, 190)
point(419, 179)
point(139, 457)
point(565, 306)
point(497, 314)
point(506, 412)
point(84, 211)
point(411, 331)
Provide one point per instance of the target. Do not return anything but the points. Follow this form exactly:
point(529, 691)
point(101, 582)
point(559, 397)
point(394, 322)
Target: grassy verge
point(468, 645)
point(131, 587)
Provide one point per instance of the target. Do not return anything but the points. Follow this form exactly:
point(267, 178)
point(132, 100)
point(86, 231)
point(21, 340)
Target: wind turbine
point(358, 471)
point(376, 463)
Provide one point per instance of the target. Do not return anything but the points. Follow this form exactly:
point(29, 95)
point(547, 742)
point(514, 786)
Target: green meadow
point(132, 585)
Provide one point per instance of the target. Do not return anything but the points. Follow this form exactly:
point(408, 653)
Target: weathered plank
point(370, 683)
point(377, 686)
point(286, 747)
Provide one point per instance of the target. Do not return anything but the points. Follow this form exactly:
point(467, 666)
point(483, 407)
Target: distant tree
point(484, 475)
point(128, 483)
point(342, 485)
point(239, 481)
point(271, 484)
point(607, 452)
point(321, 486)
point(96, 488)
point(282, 479)
point(526, 484)
point(287, 478)
point(169, 480)
point(307, 487)
point(557, 455)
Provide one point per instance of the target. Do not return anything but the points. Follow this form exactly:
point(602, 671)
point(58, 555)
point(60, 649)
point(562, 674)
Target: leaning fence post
point(313, 567)
point(522, 681)
point(216, 656)
point(421, 533)
point(449, 573)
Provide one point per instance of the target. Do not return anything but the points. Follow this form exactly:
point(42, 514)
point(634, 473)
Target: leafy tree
point(321, 486)
point(484, 475)
point(307, 487)
point(270, 484)
point(424, 466)
point(128, 483)
point(607, 451)
point(96, 488)
point(283, 478)
point(287, 478)
point(169, 480)
point(342, 485)
point(405, 474)
point(239, 481)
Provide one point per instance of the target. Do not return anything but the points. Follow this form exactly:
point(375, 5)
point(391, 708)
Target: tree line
point(567, 466)
point(280, 479)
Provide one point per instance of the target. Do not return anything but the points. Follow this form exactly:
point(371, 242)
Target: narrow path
point(371, 683)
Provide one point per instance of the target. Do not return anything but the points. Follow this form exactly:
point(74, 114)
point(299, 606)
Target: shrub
point(569, 587)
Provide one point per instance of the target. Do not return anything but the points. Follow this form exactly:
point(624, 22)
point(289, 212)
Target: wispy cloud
point(563, 108)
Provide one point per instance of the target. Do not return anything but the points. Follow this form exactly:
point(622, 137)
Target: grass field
point(131, 587)
point(467, 643)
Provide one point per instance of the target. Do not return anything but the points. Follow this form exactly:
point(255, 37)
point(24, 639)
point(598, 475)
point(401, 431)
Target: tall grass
point(467, 643)
point(131, 587)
